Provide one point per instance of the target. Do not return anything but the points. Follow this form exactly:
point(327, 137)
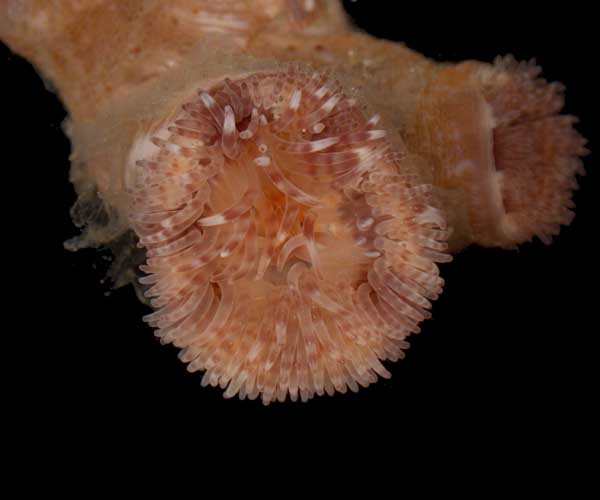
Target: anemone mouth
point(290, 250)
point(535, 149)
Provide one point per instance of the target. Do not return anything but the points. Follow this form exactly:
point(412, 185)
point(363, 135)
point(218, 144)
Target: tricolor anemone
point(285, 185)
point(290, 248)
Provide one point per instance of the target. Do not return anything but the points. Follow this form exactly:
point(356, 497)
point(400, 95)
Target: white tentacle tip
point(262, 161)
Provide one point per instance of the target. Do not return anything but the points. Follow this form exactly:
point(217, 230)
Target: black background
point(508, 351)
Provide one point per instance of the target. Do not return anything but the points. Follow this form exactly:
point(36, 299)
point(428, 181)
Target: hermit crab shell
point(290, 248)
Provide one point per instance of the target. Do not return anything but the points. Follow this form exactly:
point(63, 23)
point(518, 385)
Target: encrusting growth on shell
point(284, 258)
point(289, 183)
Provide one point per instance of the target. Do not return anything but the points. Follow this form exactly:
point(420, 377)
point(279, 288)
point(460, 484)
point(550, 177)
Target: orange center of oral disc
point(290, 250)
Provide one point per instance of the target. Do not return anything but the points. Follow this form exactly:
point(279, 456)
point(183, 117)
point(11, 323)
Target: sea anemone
point(288, 184)
point(290, 248)
point(496, 140)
